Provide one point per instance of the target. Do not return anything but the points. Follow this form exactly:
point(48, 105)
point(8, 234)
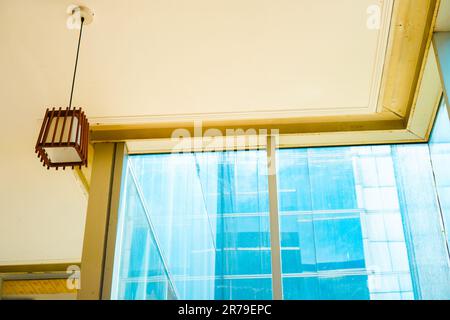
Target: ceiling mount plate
point(76, 12)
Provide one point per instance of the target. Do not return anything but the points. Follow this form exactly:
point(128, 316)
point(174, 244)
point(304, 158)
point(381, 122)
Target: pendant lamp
point(64, 136)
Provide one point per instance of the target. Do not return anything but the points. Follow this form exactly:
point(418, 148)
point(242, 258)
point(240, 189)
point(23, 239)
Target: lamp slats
point(54, 147)
point(47, 127)
point(41, 132)
point(78, 115)
point(63, 126)
point(55, 129)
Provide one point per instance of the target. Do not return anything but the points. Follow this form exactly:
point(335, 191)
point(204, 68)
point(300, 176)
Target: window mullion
point(277, 287)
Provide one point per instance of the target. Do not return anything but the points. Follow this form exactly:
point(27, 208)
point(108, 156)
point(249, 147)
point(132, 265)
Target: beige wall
point(42, 212)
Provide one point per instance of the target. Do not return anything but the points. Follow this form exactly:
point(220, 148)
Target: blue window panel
point(142, 274)
point(150, 291)
point(292, 172)
point(209, 214)
point(297, 235)
point(243, 222)
point(194, 288)
point(291, 260)
point(327, 234)
point(338, 243)
point(244, 289)
point(344, 288)
point(428, 257)
point(304, 288)
point(256, 262)
point(440, 155)
point(338, 235)
point(329, 288)
point(331, 179)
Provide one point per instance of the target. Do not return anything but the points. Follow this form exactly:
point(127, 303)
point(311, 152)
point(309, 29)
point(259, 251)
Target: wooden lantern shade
point(63, 139)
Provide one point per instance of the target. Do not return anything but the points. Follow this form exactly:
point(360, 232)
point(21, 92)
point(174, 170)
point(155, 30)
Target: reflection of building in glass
point(355, 223)
point(339, 240)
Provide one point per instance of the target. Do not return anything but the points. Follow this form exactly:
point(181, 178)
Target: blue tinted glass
point(440, 156)
point(208, 215)
point(365, 222)
point(141, 273)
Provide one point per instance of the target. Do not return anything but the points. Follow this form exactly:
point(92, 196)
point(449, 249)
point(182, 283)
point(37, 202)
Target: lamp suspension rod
point(76, 63)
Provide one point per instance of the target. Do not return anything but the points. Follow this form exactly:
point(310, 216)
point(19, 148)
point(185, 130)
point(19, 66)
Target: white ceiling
point(167, 59)
point(152, 60)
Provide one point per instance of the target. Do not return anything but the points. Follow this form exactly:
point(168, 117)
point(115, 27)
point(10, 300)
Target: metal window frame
point(275, 244)
point(97, 261)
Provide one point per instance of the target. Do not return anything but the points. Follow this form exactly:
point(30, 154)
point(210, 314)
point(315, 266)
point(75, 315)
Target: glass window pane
point(209, 215)
point(140, 274)
point(363, 222)
point(440, 156)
